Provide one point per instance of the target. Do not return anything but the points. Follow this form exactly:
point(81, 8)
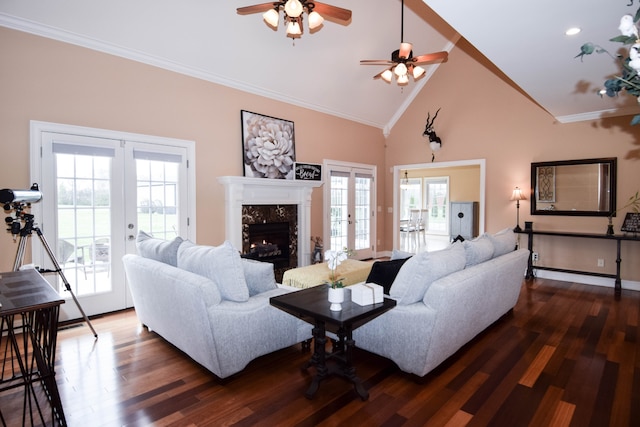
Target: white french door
point(98, 192)
point(436, 197)
point(350, 208)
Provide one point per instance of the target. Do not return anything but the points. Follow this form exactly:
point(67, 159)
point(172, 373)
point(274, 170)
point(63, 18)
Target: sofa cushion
point(221, 264)
point(422, 269)
point(398, 254)
point(259, 276)
point(504, 241)
point(165, 251)
point(478, 250)
point(383, 273)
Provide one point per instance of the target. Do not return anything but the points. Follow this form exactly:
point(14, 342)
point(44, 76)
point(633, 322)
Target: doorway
point(457, 192)
point(349, 201)
point(99, 189)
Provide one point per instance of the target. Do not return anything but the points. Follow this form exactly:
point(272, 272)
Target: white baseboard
point(566, 277)
point(383, 254)
point(586, 279)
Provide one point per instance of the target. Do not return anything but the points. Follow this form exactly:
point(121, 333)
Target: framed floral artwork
point(268, 146)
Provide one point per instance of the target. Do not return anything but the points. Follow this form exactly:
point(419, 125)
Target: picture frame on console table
point(631, 223)
point(268, 146)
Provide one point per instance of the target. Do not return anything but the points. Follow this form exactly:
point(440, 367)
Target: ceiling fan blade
point(332, 11)
point(430, 57)
point(256, 8)
point(405, 50)
point(376, 62)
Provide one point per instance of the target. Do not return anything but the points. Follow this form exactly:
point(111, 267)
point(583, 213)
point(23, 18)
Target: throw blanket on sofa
point(351, 271)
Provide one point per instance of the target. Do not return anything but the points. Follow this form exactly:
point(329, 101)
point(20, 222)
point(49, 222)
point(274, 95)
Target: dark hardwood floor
point(568, 355)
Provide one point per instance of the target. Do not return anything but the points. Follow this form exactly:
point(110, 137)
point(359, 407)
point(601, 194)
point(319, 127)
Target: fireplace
point(270, 234)
point(291, 199)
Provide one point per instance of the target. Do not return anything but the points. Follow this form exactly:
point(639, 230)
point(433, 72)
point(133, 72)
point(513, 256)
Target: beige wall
point(482, 116)
point(464, 181)
point(45, 80)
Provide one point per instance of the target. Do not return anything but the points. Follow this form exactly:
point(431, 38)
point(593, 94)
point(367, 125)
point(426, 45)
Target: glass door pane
point(363, 209)
point(436, 196)
point(157, 197)
point(339, 210)
point(84, 221)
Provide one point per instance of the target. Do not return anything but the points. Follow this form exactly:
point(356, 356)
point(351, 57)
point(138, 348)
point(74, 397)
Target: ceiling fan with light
point(293, 10)
point(403, 62)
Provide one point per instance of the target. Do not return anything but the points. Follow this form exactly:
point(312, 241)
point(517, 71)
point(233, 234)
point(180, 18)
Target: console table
point(617, 238)
point(28, 326)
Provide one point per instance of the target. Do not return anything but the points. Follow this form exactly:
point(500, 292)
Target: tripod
point(25, 232)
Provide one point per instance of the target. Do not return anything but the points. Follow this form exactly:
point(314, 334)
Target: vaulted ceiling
point(321, 71)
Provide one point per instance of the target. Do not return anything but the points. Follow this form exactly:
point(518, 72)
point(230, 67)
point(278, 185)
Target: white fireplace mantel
point(241, 191)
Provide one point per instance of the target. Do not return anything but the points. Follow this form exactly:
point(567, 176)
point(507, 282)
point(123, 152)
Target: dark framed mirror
point(584, 187)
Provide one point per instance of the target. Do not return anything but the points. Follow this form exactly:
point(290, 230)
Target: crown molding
point(64, 36)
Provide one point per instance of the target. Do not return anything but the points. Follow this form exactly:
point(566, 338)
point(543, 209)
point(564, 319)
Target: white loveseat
point(444, 299)
point(209, 302)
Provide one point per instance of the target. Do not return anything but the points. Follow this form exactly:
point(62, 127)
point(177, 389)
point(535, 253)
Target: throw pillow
point(165, 251)
point(397, 254)
point(383, 273)
point(417, 274)
point(478, 250)
point(504, 241)
point(259, 276)
point(221, 264)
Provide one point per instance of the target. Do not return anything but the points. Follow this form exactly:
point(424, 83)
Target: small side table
point(29, 321)
point(312, 306)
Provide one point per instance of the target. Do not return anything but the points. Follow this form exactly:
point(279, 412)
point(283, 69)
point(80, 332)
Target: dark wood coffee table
point(312, 306)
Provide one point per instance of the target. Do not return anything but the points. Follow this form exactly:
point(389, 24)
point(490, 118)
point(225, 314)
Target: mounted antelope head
point(434, 140)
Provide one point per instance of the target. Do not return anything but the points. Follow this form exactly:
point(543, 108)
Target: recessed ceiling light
point(573, 31)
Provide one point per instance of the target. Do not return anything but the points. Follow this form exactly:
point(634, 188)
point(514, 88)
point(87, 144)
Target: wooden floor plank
point(537, 366)
point(568, 355)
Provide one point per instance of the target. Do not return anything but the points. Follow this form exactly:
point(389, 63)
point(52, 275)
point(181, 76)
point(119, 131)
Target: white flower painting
point(268, 146)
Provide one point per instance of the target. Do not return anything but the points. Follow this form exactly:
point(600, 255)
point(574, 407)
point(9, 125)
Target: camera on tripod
point(18, 201)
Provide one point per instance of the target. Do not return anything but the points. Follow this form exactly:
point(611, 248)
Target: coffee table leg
point(318, 359)
point(350, 371)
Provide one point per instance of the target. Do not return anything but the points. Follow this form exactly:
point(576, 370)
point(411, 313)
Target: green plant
point(629, 80)
point(633, 202)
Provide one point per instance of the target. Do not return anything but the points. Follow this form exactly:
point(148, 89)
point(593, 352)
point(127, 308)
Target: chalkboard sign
point(631, 222)
point(308, 172)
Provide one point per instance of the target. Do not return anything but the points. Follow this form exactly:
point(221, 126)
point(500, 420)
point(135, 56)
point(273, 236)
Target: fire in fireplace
point(269, 242)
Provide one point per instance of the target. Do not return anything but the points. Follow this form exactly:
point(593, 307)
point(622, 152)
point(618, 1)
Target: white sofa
point(444, 299)
point(210, 303)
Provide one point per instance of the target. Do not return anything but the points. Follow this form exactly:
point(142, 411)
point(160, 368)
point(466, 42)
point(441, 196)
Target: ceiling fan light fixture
point(315, 20)
point(293, 28)
point(293, 8)
point(400, 70)
point(271, 17)
point(405, 50)
point(403, 61)
point(418, 72)
point(293, 11)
